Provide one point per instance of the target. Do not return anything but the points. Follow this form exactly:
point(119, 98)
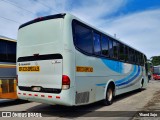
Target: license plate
point(29, 68)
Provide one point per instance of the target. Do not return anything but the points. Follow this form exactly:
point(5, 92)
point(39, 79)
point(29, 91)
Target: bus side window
point(146, 66)
point(139, 58)
point(3, 50)
point(142, 59)
point(105, 46)
point(129, 55)
point(134, 56)
point(110, 48)
point(11, 51)
point(126, 53)
point(121, 52)
point(115, 49)
point(96, 40)
point(118, 50)
point(83, 38)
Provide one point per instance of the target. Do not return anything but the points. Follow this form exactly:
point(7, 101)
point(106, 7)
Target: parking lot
point(126, 106)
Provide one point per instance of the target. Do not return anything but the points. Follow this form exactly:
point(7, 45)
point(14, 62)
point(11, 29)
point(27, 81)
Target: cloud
point(18, 12)
point(13, 16)
point(140, 30)
point(94, 10)
point(23, 11)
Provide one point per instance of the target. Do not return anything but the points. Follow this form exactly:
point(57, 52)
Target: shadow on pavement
point(128, 94)
point(7, 103)
point(77, 111)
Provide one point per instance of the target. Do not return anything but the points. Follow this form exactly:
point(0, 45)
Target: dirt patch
point(154, 103)
point(151, 110)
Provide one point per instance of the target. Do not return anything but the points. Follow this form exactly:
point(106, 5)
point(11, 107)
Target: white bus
point(62, 60)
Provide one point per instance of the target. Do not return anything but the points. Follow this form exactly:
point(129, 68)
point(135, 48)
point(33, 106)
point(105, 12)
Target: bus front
point(40, 61)
point(156, 72)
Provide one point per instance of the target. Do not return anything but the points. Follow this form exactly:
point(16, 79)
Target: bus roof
point(42, 19)
point(62, 15)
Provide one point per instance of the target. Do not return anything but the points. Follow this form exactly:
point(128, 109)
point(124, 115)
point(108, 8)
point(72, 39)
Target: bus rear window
point(83, 38)
point(7, 51)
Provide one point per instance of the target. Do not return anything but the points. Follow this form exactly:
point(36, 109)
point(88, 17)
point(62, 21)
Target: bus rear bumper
point(64, 98)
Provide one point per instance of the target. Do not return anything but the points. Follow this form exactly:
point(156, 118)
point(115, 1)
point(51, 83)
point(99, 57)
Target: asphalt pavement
point(134, 105)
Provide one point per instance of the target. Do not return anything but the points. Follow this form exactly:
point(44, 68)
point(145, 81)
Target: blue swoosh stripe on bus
point(101, 84)
point(128, 77)
point(116, 66)
point(121, 81)
point(131, 79)
point(125, 80)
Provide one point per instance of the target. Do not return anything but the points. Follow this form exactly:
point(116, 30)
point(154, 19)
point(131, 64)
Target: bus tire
point(109, 96)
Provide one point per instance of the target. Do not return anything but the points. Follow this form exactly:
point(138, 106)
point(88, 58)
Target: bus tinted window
point(110, 48)
point(3, 50)
point(90, 41)
point(121, 51)
point(11, 51)
point(129, 54)
point(83, 38)
point(126, 53)
point(134, 57)
point(97, 47)
point(7, 51)
point(137, 57)
point(156, 70)
point(141, 60)
point(105, 45)
point(115, 49)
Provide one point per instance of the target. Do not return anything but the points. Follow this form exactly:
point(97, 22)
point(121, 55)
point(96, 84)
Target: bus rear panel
point(40, 63)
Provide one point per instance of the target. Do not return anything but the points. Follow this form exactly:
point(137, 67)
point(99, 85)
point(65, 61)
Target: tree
point(155, 60)
point(149, 65)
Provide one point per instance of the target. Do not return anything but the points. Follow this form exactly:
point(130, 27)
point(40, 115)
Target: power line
point(47, 6)
point(9, 2)
point(39, 2)
point(10, 20)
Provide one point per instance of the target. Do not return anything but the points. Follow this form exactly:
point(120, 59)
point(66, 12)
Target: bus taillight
point(65, 82)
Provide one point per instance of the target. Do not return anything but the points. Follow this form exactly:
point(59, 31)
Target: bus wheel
point(109, 96)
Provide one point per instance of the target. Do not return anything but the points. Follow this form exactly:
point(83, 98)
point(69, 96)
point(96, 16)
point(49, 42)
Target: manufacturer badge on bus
point(36, 89)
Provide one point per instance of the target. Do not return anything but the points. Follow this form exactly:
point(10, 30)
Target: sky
point(135, 22)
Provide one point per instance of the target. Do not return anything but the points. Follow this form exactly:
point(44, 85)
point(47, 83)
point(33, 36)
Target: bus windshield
point(156, 70)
